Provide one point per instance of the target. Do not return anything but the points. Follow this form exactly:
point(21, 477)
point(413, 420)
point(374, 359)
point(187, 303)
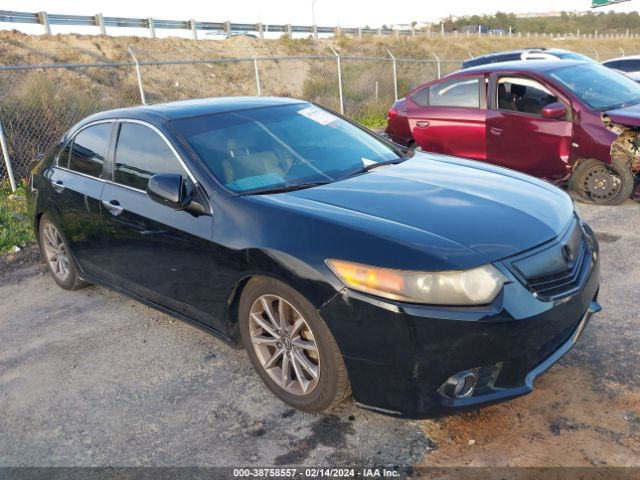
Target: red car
point(561, 120)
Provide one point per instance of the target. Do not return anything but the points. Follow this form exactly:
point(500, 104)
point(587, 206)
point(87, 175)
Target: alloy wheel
point(56, 252)
point(284, 344)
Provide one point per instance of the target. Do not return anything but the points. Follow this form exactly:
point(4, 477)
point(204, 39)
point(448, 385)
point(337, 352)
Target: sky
point(347, 13)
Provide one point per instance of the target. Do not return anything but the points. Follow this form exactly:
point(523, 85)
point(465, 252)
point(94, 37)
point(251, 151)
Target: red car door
point(449, 117)
point(518, 137)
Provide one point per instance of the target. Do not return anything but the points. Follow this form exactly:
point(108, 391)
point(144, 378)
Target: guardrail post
point(597, 55)
point(44, 20)
point(359, 32)
point(152, 27)
point(442, 29)
point(339, 79)
point(395, 75)
point(194, 30)
point(7, 160)
point(227, 28)
point(143, 98)
point(479, 30)
point(289, 31)
point(100, 24)
point(257, 72)
point(260, 30)
point(438, 64)
point(315, 33)
point(379, 31)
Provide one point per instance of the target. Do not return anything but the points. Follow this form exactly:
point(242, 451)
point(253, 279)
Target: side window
point(140, 154)
point(462, 92)
point(421, 97)
point(89, 149)
point(523, 95)
point(629, 65)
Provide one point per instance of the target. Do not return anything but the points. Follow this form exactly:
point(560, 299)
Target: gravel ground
point(93, 378)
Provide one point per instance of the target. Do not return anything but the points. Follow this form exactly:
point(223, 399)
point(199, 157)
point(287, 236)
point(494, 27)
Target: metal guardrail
point(102, 22)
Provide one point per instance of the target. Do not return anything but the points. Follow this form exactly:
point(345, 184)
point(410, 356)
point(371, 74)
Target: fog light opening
point(461, 385)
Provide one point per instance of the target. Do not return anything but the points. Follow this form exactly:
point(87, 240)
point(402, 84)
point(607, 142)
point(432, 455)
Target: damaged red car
point(569, 122)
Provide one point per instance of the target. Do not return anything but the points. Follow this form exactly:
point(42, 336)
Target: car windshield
point(262, 149)
point(599, 87)
point(572, 56)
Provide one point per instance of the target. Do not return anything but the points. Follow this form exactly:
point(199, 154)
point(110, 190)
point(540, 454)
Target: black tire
point(595, 182)
point(70, 280)
point(332, 385)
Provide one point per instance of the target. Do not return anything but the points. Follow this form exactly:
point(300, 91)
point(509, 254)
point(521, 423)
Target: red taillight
point(391, 114)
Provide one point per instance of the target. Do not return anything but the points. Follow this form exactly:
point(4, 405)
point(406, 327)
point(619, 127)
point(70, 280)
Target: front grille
point(556, 270)
point(559, 283)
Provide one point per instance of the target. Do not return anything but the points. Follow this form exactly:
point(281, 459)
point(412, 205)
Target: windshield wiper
point(285, 188)
point(371, 166)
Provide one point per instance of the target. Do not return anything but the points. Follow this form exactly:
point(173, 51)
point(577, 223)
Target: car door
point(449, 117)
point(77, 180)
point(157, 253)
point(518, 137)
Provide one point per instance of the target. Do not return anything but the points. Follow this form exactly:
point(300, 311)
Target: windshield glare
point(252, 150)
point(599, 87)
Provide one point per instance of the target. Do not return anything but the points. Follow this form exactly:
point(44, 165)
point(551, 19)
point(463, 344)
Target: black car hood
point(450, 204)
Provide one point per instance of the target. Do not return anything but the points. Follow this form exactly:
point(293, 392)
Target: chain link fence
point(38, 103)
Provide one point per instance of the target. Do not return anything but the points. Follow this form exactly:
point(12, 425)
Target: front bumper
point(398, 356)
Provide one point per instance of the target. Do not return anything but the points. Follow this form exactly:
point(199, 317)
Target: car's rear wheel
point(291, 347)
point(596, 182)
point(56, 254)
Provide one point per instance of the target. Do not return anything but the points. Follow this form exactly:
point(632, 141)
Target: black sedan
point(340, 261)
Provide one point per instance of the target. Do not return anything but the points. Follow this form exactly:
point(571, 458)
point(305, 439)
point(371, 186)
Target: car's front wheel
point(596, 182)
point(291, 347)
point(56, 254)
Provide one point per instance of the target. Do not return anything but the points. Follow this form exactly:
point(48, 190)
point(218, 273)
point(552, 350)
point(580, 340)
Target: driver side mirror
point(554, 110)
point(169, 189)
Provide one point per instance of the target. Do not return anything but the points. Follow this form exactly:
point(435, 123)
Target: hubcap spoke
point(302, 380)
point(285, 379)
point(304, 362)
point(272, 318)
point(265, 326)
point(304, 344)
point(262, 340)
point(273, 361)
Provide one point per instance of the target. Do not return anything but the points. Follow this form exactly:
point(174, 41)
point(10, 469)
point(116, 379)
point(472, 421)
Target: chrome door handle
point(422, 124)
point(495, 131)
point(113, 206)
point(57, 185)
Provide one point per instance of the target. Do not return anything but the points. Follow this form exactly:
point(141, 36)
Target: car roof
point(522, 65)
point(191, 108)
point(617, 59)
point(520, 50)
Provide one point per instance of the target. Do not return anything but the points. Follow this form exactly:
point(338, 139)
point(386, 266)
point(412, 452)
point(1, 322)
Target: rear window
point(461, 92)
point(89, 149)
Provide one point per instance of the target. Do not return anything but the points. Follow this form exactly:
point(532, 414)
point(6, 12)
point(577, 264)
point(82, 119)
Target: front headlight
point(478, 286)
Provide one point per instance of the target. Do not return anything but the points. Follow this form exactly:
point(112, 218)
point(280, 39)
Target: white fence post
point(143, 99)
point(43, 18)
point(597, 55)
point(438, 63)
point(395, 75)
point(339, 80)
point(7, 160)
point(194, 30)
point(152, 28)
point(100, 24)
point(255, 68)
point(621, 51)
